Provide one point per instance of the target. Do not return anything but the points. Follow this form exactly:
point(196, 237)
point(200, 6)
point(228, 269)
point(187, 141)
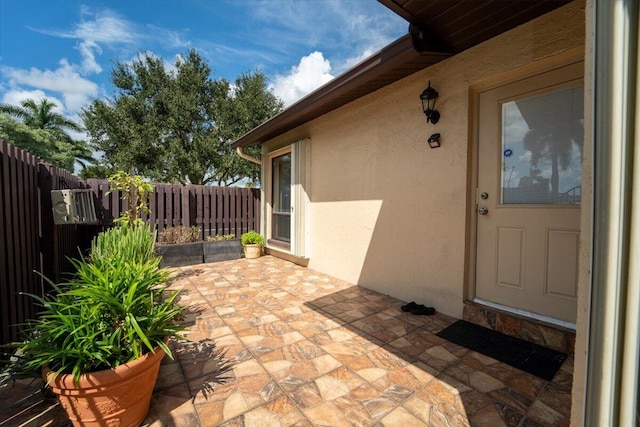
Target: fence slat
point(185, 212)
point(21, 230)
point(4, 243)
point(206, 209)
point(16, 313)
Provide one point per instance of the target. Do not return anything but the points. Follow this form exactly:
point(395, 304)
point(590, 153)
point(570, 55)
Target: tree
point(41, 116)
point(95, 171)
point(554, 143)
point(249, 106)
point(38, 142)
point(176, 126)
point(35, 127)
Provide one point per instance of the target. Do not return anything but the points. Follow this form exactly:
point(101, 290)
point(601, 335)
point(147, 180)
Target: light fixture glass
point(428, 98)
point(434, 140)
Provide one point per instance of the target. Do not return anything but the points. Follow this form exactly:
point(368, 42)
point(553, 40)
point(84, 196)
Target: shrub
point(180, 234)
point(135, 244)
point(252, 238)
point(219, 238)
point(135, 190)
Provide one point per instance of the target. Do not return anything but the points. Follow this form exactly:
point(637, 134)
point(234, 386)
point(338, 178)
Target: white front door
point(529, 180)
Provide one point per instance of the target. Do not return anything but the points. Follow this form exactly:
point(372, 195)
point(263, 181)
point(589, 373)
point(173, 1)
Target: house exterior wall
point(386, 211)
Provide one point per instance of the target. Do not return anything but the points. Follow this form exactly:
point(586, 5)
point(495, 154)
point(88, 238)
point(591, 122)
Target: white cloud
point(89, 63)
point(75, 89)
point(312, 72)
point(169, 38)
point(95, 28)
point(102, 27)
point(355, 29)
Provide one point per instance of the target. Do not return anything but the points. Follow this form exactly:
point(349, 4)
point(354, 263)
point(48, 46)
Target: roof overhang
point(390, 64)
point(438, 30)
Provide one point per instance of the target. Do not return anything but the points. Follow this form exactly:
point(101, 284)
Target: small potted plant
point(99, 340)
point(252, 243)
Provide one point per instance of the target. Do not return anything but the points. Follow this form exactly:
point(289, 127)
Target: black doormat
point(535, 359)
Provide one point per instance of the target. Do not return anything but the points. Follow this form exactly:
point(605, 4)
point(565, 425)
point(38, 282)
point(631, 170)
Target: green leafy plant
point(180, 234)
point(220, 238)
point(252, 238)
point(112, 311)
point(135, 190)
point(135, 244)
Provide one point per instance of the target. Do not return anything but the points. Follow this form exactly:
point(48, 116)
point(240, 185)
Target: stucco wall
point(386, 211)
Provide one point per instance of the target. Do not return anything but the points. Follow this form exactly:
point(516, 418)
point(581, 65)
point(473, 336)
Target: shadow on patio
point(427, 379)
point(272, 343)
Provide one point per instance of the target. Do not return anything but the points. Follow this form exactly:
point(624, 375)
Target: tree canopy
point(176, 124)
point(37, 128)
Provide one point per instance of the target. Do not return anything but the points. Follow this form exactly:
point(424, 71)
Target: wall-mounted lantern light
point(434, 140)
point(428, 98)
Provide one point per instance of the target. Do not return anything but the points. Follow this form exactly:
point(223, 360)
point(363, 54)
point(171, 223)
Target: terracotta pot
point(113, 397)
point(252, 251)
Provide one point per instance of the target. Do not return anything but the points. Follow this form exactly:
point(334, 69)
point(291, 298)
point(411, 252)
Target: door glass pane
point(542, 139)
point(281, 203)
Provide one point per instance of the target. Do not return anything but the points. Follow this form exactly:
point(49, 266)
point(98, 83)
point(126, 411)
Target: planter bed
point(222, 250)
point(181, 254)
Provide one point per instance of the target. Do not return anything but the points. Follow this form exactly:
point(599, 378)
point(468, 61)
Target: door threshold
point(528, 314)
point(540, 330)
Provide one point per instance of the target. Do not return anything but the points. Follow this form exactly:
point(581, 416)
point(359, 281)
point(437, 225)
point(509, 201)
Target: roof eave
point(395, 53)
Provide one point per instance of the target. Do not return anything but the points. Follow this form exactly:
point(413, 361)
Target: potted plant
point(252, 243)
point(99, 340)
point(222, 248)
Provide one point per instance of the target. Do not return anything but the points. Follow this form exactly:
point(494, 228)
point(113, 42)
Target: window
point(281, 198)
point(542, 138)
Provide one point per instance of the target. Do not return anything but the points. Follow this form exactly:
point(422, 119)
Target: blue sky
point(64, 49)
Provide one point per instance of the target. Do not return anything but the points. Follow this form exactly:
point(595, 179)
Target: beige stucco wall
point(386, 211)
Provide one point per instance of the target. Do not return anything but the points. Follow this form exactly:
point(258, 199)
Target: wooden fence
point(19, 236)
point(31, 246)
point(216, 210)
point(30, 242)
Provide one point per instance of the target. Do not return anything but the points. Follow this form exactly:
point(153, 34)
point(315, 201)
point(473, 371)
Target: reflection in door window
point(542, 141)
point(281, 203)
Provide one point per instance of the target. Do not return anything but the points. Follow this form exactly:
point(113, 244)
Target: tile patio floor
point(274, 344)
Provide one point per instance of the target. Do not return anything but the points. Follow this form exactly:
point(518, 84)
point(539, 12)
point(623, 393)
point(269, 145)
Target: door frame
point(521, 73)
point(268, 190)
point(300, 201)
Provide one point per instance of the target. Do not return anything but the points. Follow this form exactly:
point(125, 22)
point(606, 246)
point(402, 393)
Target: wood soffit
point(447, 27)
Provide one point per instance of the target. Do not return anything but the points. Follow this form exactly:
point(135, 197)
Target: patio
point(274, 344)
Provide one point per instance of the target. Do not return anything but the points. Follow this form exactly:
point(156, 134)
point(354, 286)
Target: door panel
point(529, 172)
point(511, 250)
point(562, 251)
